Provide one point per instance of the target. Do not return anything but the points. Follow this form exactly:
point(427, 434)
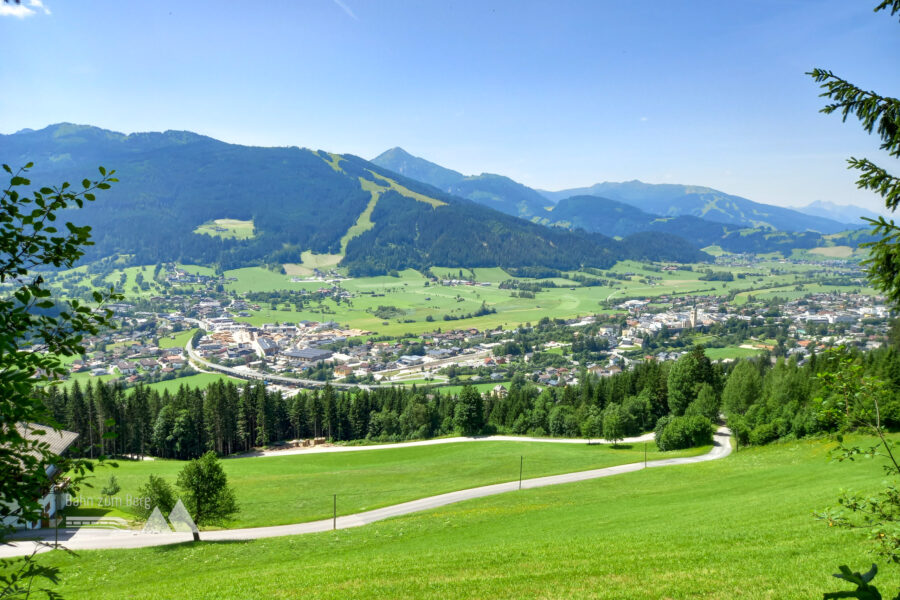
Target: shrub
point(683, 432)
point(155, 493)
point(763, 434)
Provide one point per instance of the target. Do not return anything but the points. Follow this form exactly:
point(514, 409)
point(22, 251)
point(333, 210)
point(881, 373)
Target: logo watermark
point(128, 501)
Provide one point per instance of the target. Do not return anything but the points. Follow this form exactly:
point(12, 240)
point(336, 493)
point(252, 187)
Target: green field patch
point(481, 387)
point(198, 270)
point(233, 229)
point(310, 262)
point(200, 380)
point(290, 489)
point(404, 191)
point(714, 250)
point(364, 221)
point(334, 161)
point(833, 251)
point(739, 528)
point(731, 352)
point(176, 340)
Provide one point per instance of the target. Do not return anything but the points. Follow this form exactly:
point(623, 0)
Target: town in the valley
point(214, 334)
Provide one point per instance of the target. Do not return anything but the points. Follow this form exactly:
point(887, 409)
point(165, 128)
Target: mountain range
point(842, 213)
point(663, 200)
point(300, 200)
point(701, 215)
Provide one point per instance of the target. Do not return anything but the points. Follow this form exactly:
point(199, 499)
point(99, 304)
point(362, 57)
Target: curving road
point(257, 376)
point(96, 539)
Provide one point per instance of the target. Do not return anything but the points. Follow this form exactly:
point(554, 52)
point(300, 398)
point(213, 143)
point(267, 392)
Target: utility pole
point(521, 464)
point(56, 513)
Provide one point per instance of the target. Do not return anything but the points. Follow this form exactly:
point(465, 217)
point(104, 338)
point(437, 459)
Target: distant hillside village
point(151, 345)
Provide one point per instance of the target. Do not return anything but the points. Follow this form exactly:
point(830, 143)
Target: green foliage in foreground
point(289, 489)
point(741, 527)
point(208, 496)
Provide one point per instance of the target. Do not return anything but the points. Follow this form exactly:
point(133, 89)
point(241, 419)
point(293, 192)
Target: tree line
point(763, 402)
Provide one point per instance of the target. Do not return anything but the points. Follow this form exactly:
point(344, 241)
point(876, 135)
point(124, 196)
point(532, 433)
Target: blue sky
point(554, 94)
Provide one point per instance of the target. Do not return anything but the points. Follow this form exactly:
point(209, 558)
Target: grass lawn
point(730, 352)
point(834, 251)
point(176, 340)
point(227, 229)
point(290, 489)
point(200, 380)
point(84, 377)
point(481, 387)
point(738, 528)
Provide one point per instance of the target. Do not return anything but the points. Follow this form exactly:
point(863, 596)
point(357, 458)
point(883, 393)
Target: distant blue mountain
point(496, 191)
point(843, 213)
point(674, 200)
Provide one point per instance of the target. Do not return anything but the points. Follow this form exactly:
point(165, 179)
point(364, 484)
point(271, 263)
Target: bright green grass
point(176, 340)
point(790, 293)
point(259, 279)
point(84, 377)
point(404, 191)
point(227, 229)
point(200, 380)
point(481, 387)
point(198, 270)
point(409, 293)
point(290, 489)
point(730, 352)
point(738, 528)
point(364, 221)
point(714, 250)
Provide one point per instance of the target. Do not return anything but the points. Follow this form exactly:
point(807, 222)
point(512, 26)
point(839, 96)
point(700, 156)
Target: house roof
point(309, 354)
point(58, 439)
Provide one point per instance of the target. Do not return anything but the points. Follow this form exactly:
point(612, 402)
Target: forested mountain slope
point(298, 199)
point(701, 215)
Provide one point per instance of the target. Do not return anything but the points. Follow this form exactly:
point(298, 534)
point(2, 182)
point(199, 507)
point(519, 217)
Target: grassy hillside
point(227, 229)
point(277, 490)
point(736, 528)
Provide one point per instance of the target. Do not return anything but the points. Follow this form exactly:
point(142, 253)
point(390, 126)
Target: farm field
point(730, 352)
point(200, 380)
point(419, 302)
point(276, 490)
point(176, 340)
point(424, 307)
point(481, 387)
point(736, 528)
point(227, 229)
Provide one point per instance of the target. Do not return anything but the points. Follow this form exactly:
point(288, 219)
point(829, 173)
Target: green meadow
point(419, 302)
point(199, 380)
point(276, 490)
point(227, 229)
point(731, 352)
point(741, 527)
point(423, 306)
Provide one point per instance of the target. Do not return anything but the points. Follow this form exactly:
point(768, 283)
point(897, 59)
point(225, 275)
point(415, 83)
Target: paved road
point(94, 539)
point(647, 437)
point(202, 364)
point(256, 375)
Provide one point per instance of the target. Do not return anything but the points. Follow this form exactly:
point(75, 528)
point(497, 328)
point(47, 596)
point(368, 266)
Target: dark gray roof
point(58, 439)
point(309, 354)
